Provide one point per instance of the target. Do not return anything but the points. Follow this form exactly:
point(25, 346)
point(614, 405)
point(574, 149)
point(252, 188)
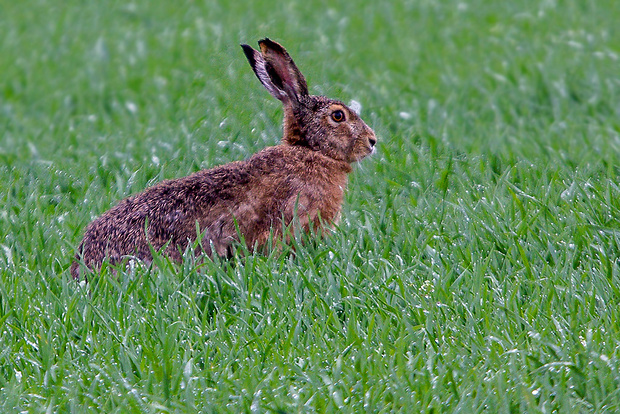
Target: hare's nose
point(372, 141)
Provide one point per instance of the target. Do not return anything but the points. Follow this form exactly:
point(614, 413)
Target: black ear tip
point(249, 52)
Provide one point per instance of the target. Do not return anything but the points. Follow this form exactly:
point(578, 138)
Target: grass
point(476, 266)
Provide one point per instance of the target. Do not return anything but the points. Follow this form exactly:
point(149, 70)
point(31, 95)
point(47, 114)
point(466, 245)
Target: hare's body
point(257, 193)
point(304, 176)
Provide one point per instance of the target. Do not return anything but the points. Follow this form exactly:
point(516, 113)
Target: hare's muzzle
point(372, 140)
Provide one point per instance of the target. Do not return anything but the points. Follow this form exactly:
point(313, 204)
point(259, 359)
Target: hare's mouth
point(363, 152)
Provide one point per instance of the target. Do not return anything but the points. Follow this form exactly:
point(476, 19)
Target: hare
point(299, 182)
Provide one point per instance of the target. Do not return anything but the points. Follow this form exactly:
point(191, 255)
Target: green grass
point(476, 268)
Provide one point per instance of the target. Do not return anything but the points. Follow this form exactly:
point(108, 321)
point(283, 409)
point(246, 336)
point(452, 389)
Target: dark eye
point(338, 115)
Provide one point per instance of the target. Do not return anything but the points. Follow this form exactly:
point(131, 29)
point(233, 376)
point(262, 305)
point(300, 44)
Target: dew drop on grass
point(131, 107)
point(34, 152)
point(100, 50)
point(574, 44)
point(427, 288)
point(8, 253)
point(569, 193)
point(187, 370)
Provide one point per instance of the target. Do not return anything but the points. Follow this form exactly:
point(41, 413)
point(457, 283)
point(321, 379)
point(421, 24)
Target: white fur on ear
point(263, 76)
point(259, 66)
point(355, 107)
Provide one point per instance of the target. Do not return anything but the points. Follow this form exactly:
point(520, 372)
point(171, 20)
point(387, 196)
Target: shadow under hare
point(300, 181)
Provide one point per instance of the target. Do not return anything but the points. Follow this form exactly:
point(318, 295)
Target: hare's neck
point(292, 132)
point(336, 169)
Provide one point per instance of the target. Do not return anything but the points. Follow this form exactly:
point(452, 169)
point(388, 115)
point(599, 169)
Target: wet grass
point(476, 266)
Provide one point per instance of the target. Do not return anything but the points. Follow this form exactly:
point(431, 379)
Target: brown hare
point(300, 182)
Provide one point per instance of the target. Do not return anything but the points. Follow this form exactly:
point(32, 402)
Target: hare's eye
point(338, 115)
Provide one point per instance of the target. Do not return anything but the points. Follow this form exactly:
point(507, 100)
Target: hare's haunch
point(304, 176)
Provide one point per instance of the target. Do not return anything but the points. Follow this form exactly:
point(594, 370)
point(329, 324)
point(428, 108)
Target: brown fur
point(305, 176)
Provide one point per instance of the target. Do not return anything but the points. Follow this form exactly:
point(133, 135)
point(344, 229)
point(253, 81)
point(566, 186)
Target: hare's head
point(317, 122)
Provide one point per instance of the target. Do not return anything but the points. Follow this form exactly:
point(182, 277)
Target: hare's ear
point(277, 71)
point(259, 66)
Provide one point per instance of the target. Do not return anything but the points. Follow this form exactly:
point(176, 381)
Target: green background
point(476, 265)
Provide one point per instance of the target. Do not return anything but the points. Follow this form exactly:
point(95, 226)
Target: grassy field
point(476, 268)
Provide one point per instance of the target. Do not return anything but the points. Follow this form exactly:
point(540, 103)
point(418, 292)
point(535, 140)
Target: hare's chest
point(325, 201)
